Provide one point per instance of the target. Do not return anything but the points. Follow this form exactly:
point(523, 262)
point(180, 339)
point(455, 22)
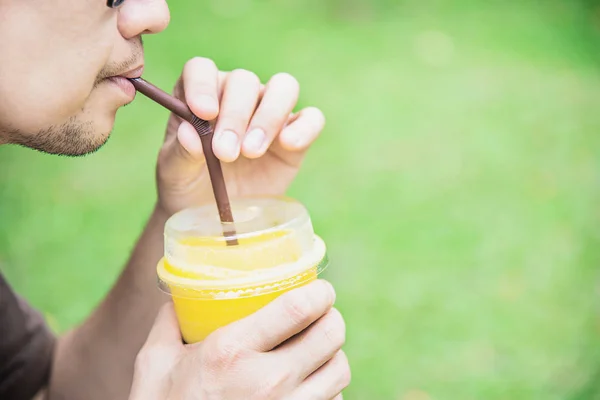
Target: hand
point(257, 136)
point(290, 349)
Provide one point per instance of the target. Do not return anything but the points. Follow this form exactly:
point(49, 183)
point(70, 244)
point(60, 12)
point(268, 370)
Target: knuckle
point(143, 360)
point(151, 356)
point(334, 328)
point(314, 393)
point(196, 79)
point(163, 156)
point(222, 353)
point(195, 62)
point(299, 307)
point(245, 75)
point(203, 88)
point(345, 373)
point(271, 386)
point(324, 291)
point(235, 119)
point(269, 115)
point(268, 120)
point(178, 88)
point(283, 78)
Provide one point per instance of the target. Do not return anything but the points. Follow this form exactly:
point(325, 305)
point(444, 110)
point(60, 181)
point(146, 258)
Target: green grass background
point(456, 184)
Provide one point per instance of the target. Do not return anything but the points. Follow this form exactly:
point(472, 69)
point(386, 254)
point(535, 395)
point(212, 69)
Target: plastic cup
point(213, 283)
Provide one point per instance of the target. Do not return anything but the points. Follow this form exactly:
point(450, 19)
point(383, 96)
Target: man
point(62, 79)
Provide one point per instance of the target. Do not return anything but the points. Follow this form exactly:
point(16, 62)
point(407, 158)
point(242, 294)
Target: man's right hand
point(290, 349)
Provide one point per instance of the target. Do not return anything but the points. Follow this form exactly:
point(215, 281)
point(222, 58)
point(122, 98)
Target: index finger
point(201, 87)
point(284, 317)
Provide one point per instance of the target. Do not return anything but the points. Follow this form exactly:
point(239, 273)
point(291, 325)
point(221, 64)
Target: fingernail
point(228, 144)
point(255, 140)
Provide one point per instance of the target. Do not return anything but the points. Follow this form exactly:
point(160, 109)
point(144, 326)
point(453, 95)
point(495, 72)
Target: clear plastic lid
point(276, 245)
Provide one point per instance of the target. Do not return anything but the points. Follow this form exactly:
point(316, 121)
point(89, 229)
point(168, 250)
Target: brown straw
point(205, 132)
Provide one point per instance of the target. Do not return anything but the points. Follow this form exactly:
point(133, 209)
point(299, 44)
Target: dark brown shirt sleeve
point(26, 347)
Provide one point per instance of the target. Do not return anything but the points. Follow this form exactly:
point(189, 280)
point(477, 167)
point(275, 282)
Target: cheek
point(36, 102)
point(46, 82)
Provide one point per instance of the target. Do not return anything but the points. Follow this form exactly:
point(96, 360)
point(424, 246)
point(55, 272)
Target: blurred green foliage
point(457, 185)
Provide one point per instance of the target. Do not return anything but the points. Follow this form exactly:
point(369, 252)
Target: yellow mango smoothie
point(213, 283)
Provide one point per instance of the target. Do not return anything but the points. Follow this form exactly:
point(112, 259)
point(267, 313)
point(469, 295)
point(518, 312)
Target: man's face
point(60, 66)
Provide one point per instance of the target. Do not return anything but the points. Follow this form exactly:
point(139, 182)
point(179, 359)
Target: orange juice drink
point(213, 283)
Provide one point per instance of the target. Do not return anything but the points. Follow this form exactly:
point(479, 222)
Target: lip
point(133, 73)
point(124, 85)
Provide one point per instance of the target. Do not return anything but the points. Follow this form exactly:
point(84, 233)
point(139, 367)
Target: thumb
point(165, 329)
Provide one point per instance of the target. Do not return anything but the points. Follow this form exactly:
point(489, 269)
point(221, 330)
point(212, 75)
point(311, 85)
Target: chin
point(93, 133)
point(73, 138)
point(88, 147)
point(90, 140)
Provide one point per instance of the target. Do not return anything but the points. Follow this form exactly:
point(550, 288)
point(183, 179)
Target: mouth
point(132, 73)
point(122, 82)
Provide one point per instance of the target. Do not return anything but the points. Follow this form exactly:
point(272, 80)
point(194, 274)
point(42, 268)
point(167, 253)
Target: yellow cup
point(213, 283)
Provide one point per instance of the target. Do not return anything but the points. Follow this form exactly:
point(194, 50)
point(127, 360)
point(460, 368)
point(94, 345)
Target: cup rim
point(286, 275)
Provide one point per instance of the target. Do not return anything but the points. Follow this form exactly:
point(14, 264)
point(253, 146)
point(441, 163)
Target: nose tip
point(164, 21)
point(143, 17)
